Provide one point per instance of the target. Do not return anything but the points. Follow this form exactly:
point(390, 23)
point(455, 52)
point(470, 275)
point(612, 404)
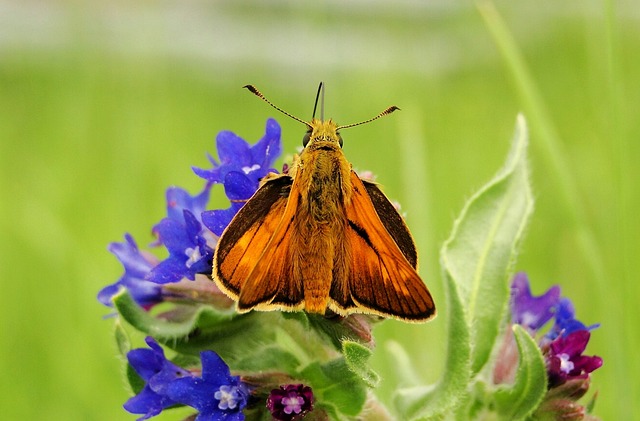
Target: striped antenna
point(382, 114)
point(257, 93)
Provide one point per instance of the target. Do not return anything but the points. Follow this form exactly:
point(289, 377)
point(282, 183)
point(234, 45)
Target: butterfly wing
point(272, 284)
point(379, 276)
point(249, 233)
point(393, 222)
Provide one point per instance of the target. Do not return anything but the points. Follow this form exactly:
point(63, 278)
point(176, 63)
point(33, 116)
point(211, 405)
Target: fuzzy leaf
point(476, 260)
point(479, 254)
point(435, 401)
point(231, 335)
point(337, 389)
point(357, 359)
point(122, 339)
point(520, 399)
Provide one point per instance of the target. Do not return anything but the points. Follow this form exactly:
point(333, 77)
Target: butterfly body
point(321, 238)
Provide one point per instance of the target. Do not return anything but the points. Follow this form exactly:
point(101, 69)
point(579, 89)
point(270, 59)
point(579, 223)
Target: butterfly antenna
point(257, 93)
point(315, 105)
point(382, 114)
point(322, 103)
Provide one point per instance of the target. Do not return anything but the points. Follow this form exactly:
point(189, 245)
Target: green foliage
point(517, 401)
point(477, 262)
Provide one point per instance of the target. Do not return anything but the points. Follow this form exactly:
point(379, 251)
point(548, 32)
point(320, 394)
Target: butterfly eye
point(306, 138)
point(339, 139)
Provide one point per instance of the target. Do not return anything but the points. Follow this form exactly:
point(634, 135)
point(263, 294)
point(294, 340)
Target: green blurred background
point(105, 104)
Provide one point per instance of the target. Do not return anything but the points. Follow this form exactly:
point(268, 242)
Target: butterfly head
point(325, 131)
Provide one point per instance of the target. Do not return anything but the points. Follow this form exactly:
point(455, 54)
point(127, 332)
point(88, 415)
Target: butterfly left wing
point(249, 233)
point(374, 275)
point(272, 284)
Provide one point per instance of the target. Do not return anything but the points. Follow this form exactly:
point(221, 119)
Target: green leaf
point(476, 261)
point(270, 357)
point(357, 359)
point(135, 381)
point(435, 401)
point(233, 336)
point(122, 339)
point(337, 389)
point(479, 254)
point(163, 329)
point(519, 400)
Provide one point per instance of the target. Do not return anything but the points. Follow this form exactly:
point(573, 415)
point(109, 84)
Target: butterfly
point(320, 239)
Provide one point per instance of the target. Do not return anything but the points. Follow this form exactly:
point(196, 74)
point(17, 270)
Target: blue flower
point(179, 199)
point(188, 242)
point(237, 155)
point(217, 395)
point(528, 310)
point(240, 169)
point(136, 267)
point(189, 252)
point(157, 372)
point(565, 321)
point(238, 188)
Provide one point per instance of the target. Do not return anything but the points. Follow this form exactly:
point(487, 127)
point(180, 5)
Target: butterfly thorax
point(323, 173)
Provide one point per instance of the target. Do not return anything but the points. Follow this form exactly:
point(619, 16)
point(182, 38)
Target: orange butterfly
point(321, 238)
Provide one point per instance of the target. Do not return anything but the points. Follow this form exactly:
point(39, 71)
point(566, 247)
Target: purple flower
point(188, 242)
point(290, 402)
point(240, 169)
point(565, 360)
point(136, 267)
point(217, 395)
point(158, 373)
point(528, 310)
point(565, 322)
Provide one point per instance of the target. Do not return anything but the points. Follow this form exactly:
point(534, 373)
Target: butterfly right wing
point(248, 234)
point(393, 222)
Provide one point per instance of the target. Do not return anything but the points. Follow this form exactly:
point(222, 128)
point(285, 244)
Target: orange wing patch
point(250, 230)
point(271, 285)
point(380, 280)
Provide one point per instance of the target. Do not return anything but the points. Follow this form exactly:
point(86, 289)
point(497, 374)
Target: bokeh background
point(105, 104)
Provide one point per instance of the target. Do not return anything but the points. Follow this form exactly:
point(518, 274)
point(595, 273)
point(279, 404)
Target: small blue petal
point(217, 220)
point(215, 370)
point(147, 402)
point(565, 322)
point(169, 270)
point(136, 267)
point(237, 186)
point(158, 373)
point(172, 234)
point(269, 148)
point(179, 200)
point(232, 148)
point(200, 392)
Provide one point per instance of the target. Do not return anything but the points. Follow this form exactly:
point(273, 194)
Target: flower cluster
point(216, 394)
point(568, 369)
